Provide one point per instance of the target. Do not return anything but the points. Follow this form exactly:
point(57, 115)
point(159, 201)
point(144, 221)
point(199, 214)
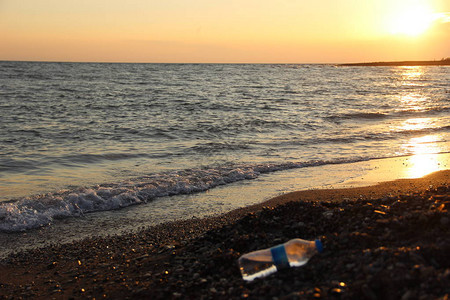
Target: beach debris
point(294, 253)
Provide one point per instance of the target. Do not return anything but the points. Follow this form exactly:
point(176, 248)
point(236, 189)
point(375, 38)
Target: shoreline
point(222, 200)
point(197, 257)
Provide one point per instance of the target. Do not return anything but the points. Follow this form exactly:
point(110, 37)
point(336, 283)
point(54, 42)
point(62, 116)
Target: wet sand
point(386, 241)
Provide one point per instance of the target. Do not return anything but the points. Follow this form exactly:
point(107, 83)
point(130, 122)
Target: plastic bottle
point(294, 253)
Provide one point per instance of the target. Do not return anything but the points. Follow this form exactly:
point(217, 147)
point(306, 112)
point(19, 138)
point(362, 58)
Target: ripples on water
point(66, 125)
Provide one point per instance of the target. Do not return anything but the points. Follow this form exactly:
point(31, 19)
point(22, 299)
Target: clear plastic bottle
point(294, 253)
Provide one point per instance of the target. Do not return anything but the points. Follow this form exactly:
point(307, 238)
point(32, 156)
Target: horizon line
point(226, 63)
point(193, 63)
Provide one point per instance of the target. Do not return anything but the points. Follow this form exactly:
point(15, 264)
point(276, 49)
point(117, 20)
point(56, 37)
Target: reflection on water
point(413, 101)
point(416, 124)
point(409, 99)
point(424, 161)
point(411, 73)
point(427, 144)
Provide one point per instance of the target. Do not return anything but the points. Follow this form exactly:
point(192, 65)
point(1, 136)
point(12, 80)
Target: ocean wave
point(427, 130)
point(212, 147)
point(424, 112)
point(14, 165)
point(37, 211)
point(93, 158)
point(379, 116)
point(367, 136)
point(351, 116)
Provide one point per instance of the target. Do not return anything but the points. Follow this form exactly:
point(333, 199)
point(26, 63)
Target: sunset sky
point(224, 31)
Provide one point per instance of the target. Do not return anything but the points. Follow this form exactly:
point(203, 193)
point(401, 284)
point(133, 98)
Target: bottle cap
point(319, 246)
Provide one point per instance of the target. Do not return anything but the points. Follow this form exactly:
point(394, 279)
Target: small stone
point(350, 266)
point(382, 221)
point(417, 258)
point(426, 297)
point(298, 225)
point(368, 293)
point(445, 221)
point(422, 218)
point(328, 214)
point(408, 295)
point(51, 266)
point(336, 291)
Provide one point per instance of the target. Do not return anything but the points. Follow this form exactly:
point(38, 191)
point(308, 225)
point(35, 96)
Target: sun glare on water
point(412, 21)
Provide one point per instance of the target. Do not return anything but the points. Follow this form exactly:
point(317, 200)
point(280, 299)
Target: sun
point(412, 21)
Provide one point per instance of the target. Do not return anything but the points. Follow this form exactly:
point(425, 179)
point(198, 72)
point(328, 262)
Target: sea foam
point(41, 210)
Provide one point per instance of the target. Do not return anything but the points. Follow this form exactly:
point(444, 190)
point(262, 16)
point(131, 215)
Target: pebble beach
point(386, 241)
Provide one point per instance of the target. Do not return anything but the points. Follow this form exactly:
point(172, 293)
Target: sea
point(101, 148)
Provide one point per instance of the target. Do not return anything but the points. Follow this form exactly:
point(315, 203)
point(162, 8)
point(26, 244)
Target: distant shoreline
point(444, 62)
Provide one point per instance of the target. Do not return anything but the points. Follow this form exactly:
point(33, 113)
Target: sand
point(386, 241)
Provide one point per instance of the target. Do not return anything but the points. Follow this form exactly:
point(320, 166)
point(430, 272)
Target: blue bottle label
point(279, 257)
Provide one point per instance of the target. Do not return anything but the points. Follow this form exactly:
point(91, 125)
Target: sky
point(224, 31)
